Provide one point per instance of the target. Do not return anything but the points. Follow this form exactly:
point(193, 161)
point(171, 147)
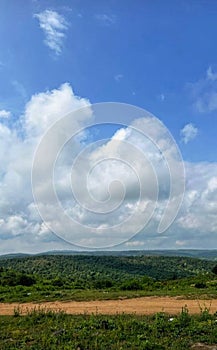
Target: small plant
point(17, 311)
point(44, 329)
point(184, 317)
point(205, 312)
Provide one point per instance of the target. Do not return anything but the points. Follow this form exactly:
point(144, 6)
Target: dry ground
point(145, 305)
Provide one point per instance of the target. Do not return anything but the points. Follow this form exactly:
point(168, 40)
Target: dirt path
point(145, 305)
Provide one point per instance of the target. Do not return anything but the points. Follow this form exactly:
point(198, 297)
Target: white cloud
point(138, 244)
point(20, 89)
point(207, 102)
point(118, 77)
point(18, 214)
point(204, 92)
point(14, 225)
point(20, 224)
point(44, 109)
point(54, 27)
point(162, 97)
point(188, 133)
point(4, 114)
point(180, 243)
point(105, 19)
point(199, 210)
point(210, 74)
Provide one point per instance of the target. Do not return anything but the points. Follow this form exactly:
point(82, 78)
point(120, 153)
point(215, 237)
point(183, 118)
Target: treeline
point(114, 267)
point(104, 277)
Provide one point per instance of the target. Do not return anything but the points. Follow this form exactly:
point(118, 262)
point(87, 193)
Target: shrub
point(200, 285)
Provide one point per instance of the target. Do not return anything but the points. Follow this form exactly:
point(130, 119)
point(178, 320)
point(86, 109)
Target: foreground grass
point(42, 329)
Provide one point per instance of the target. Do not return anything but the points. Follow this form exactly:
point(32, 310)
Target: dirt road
point(146, 305)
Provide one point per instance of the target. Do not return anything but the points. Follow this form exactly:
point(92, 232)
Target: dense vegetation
point(83, 277)
point(160, 268)
point(104, 277)
point(47, 330)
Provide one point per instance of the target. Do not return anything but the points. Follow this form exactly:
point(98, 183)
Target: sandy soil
point(145, 305)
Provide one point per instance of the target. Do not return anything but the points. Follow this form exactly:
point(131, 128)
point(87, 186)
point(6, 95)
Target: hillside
point(88, 266)
point(87, 277)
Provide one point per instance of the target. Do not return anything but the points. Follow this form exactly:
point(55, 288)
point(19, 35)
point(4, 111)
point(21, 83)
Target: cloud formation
point(210, 74)
point(54, 27)
point(204, 92)
point(104, 19)
point(18, 213)
point(21, 227)
point(4, 114)
point(188, 133)
point(118, 77)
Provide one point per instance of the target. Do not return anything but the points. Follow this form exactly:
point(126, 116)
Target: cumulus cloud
point(199, 209)
point(120, 184)
point(18, 213)
point(188, 133)
point(44, 109)
point(54, 27)
point(13, 225)
point(4, 114)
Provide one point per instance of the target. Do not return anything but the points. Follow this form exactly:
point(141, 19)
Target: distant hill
point(15, 255)
point(86, 266)
point(194, 253)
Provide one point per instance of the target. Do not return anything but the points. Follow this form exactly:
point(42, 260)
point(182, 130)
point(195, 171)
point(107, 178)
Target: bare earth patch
point(142, 306)
point(201, 346)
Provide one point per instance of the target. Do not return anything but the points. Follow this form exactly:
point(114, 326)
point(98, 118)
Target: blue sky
point(158, 55)
point(154, 49)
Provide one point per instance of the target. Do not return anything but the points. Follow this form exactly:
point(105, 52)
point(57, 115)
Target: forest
point(86, 277)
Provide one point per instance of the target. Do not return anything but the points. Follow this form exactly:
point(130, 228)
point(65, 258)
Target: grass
point(41, 329)
point(28, 294)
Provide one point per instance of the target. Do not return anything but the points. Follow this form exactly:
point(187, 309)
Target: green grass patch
point(42, 329)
